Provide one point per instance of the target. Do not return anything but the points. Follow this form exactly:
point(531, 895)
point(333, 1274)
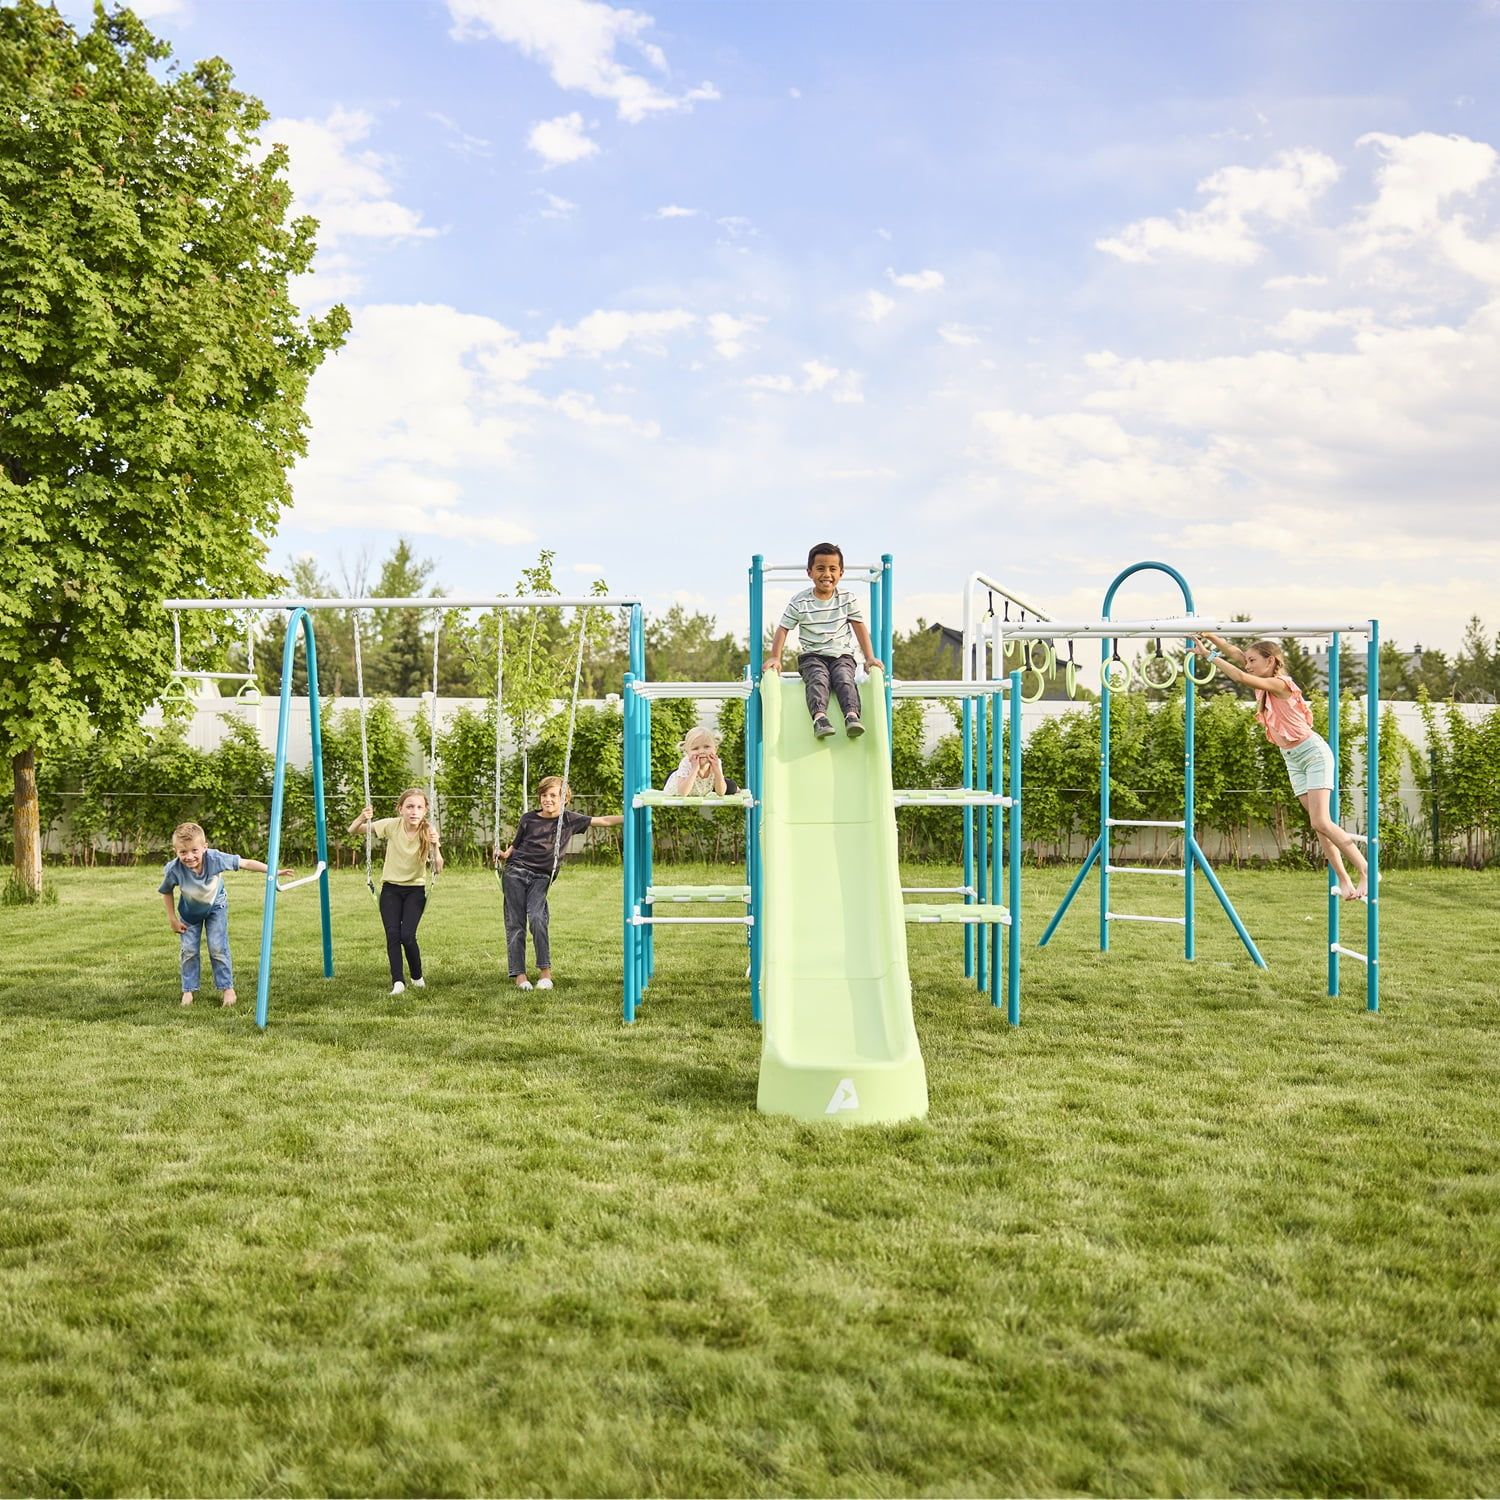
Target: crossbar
point(1145, 823)
point(503, 601)
point(938, 688)
point(948, 797)
point(1180, 625)
point(638, 921)
point(741, 689)
point(1125, 916)
point(1348, 952)
point(1143, 870)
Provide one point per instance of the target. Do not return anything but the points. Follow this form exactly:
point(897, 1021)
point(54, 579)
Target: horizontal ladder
point(659, 893)
point(956, 915)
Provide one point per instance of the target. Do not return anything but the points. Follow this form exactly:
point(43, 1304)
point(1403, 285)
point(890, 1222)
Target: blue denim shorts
point(1310, 764)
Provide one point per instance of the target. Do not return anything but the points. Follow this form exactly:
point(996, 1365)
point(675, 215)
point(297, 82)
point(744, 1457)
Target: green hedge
point(132, 801)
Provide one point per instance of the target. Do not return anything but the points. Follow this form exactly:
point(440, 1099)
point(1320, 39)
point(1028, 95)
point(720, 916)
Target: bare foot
point(229, 997)
point(1363, 888)
point(187, 997)
point(1347, 892)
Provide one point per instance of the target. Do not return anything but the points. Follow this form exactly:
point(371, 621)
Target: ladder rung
point(1125, 916)
point(659, 893)
point(1364, 900)
point(956, 915)
point(1142, 870)
point(741, 798)
point(949, 797)
point(1359, 838)
point(640, 921)
point(1347, 952)
point(938, 890)
point(1145, 823)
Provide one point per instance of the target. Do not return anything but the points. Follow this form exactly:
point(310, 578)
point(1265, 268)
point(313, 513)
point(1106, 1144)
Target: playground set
point(822, 904)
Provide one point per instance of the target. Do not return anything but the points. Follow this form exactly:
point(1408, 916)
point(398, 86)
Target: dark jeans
point(526, 904)
point(401, 908)
point(818, 671)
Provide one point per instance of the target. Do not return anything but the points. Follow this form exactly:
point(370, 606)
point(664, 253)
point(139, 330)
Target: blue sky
point(1043, 289)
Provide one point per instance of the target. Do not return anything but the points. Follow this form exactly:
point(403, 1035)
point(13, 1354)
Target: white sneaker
point(522, 982)
point(419, 984)
point(398, 988)
point(544, 984)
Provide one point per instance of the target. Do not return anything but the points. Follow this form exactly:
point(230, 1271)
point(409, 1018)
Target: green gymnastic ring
point(1011, 652)
point(1041, 685)
point(1048, 657)
point(177, 690)
point(1144, 666)
point(249, 694)
point(1070, 677)
point(1191, 664)
point(1117, 675)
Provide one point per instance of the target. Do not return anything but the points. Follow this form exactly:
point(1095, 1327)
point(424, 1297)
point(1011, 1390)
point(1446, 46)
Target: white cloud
point(556, 207)
point(1303, 324)
point(162, 10)
point(1417, 177)
point(917, 281)
point(399, 453)
point(1239, 199)
point(728, 333)
point(676, 211)
point(459, 139)
point(346, 189)
point(561, 140)
point(860, 475)
point(842, 386)
point(588, 569)
point(578, 41)
point(877, 306)
point(1291, 283)
point(958, 334)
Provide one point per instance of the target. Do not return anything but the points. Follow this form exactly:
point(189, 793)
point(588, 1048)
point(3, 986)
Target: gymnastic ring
point(1116, 675)
point(1070, 677)
point(1144, 667)
point(1041, 685)
point(1192, 662)
point(1048, 656)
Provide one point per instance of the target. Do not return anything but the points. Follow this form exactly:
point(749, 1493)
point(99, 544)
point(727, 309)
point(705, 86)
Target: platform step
point(956, 915)
point(741, 798)
point(659, 893)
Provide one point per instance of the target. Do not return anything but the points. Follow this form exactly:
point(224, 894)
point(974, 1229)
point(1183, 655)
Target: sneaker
point(853, 726)
point(419, 984)
point(522, 982)
point(398, 988)
point(544, 984)
point(821, 727)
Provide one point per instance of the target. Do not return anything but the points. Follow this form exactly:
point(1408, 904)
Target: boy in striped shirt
point(828, 621)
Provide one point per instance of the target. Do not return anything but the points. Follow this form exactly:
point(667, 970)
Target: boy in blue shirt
point(197, 873)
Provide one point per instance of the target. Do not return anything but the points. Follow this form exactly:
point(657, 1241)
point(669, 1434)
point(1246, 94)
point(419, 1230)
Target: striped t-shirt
point(822, 625)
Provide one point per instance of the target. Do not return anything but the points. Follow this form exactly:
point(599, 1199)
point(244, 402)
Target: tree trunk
point(26, 825)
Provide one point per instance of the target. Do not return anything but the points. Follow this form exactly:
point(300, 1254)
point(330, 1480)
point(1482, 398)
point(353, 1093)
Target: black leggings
point(401, 908)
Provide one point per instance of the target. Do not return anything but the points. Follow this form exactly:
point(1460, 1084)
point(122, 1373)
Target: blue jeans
point(216, 926)
point(526, 904)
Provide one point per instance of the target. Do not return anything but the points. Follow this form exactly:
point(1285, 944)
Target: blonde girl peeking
point(1288, 722)
point(411, 843)
point(699, 773)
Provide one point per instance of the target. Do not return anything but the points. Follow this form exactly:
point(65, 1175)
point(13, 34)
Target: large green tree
point(152, 371)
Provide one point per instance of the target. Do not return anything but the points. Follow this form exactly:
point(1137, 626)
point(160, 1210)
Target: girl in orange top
point(1288, 722)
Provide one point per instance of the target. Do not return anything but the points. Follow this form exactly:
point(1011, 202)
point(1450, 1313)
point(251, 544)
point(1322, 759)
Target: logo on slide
point(844, 1097)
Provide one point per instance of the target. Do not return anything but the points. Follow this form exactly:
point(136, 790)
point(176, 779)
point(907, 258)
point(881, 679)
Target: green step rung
point(657, 893)
point(954, 914)
point(652, 798)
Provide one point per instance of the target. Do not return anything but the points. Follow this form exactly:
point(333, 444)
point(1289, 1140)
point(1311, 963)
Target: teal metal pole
point(1105, 648)
point(999, 748)
point(1189, 815)
point(648, 860)
point(1335, 706)
point(967, 725)
point(885, 645)
point(1067, 901)
point(755, 780)
point(1197, 856)
point(1013, 953)
point(628, 874)
point(981, 843)
point(1372, 823)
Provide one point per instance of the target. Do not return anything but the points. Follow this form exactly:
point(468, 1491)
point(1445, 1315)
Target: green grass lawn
point(1192, 1228)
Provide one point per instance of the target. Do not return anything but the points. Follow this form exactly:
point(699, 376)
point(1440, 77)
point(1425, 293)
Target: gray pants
point(526, 904)
point(818, 671)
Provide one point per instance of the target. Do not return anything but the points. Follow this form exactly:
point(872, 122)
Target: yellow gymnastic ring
point(1143, 669)
point(1048, 656)
point(1041, 685)
point(1116, 675)
point(1191, 666)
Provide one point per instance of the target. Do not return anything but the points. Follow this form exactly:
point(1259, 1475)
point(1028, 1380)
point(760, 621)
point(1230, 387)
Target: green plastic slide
point(839, 1043)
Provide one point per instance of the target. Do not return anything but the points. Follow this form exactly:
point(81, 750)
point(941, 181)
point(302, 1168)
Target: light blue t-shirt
point(197, 893)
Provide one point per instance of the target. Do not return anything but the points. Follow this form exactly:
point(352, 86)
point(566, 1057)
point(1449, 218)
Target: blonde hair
point(183, 832)
point(554, 783)
point(700, 731)
point(425, 830)
point(1271, 650)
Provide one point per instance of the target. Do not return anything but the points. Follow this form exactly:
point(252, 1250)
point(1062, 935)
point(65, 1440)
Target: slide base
point(879, 1094)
